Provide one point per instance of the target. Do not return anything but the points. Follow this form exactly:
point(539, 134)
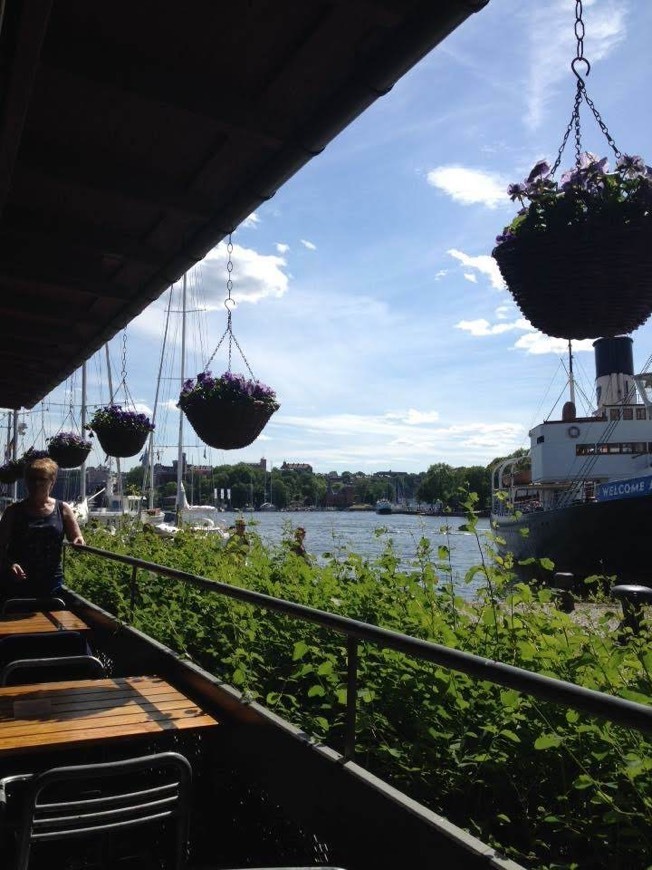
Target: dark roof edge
point(375, 77)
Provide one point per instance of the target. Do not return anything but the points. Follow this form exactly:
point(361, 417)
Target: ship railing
point(629, 714)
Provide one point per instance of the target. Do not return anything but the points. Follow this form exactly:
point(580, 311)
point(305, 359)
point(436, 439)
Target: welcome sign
point(632, 488)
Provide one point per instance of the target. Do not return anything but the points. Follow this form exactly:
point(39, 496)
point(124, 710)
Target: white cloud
point(552, 45)
point(310, 245)
point(252, 221)
point(441, 274)
point(504, 311)
point(537, 343)
point(482, 327)
point(470, 186)
point(471, 276)
point(282, 248)
point(255, 276)
point(483, 263)
point(412, 417)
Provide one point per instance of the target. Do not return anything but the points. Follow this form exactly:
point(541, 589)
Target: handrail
point(630, 714)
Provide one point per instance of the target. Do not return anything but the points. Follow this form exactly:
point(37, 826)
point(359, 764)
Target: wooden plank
point(84, 711)
point(67, 620)
point(29, 623)
point(25, 623)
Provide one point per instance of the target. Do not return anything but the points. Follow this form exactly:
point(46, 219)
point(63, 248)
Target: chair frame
point(94, 667)
point(30, 605)
point(46, 820)
point(39, 642)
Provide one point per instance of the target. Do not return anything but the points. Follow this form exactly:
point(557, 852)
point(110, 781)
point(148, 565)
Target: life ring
point(573, 431)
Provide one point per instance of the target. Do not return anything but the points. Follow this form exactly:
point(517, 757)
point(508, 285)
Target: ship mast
point(571, 378)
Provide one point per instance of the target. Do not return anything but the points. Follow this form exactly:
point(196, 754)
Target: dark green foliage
point(549, 786)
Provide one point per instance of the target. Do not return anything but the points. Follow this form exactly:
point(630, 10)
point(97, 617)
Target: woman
point(31, 536)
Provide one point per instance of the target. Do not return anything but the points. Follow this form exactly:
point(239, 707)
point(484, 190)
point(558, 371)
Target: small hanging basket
point(228, 412)
point(68, 456)
point(584, 281)
point(120, 433)
point(11, 471)
point(68, 449)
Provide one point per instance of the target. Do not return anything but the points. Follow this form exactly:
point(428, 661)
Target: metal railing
point(629, 714)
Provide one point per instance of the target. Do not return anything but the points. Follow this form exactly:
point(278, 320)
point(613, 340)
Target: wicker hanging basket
point(120, 441)
point(587, 281)
point(227, 424)
point(10, 472)
point(69, 455)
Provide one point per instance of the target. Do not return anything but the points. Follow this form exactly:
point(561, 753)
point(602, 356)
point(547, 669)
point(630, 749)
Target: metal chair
point(65, 803)
point(44, 644)
point(26, 671)
point(32, 605)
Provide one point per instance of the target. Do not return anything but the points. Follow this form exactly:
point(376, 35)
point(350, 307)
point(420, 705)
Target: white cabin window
point(614, 414)
point(628, 413)
point(641, 414)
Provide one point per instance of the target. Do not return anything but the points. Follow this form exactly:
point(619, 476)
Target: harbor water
point(367, 534)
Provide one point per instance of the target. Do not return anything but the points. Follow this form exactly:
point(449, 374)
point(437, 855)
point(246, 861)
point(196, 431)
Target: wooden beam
point(103, 173)
point(71, 237)
point(31, 30)
point(48, 284)
point(152, 82)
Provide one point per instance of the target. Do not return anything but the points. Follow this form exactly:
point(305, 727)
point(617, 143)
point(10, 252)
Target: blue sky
point(366, 293)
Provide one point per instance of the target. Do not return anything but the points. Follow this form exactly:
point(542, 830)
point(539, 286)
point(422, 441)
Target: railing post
point(132, 601)
point(351, 696)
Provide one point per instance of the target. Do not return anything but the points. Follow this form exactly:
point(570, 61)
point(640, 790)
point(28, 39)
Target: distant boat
point(383, 506)
point(268, 506)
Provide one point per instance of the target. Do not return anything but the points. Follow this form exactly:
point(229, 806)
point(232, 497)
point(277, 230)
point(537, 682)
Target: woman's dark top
point(36, 544)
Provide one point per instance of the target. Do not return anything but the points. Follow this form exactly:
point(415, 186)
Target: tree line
point(250, 485)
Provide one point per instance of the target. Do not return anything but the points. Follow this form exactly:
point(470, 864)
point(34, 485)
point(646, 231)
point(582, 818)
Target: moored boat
point(383, 506)
point(587, 504)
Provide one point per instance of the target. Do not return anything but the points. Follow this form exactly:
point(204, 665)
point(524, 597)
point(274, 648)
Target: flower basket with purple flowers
point(68, 449)
point(228, 412)
point(578, 257)
point(120, 433)
point(11, 471)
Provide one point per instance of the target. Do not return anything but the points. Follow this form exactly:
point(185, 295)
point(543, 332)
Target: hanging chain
point(124, 356)
point(581, 94)
point(229, 304)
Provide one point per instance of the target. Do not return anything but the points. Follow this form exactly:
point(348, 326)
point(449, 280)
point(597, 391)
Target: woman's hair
point(45, 466)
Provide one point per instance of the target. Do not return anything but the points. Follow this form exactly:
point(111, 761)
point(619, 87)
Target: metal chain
point(581, 94)
point(229, 304)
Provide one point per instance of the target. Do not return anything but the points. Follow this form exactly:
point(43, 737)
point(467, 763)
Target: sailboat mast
point(82, 472)
point(571, 377)
point(183, 377)
point(117, 461)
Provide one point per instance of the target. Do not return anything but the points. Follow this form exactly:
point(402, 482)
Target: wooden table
point(29, 623)
point(50, 716)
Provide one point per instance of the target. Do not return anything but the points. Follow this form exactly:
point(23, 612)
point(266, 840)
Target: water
point(338, 532)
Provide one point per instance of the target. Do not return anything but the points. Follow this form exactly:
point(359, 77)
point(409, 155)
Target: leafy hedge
point(549, 786)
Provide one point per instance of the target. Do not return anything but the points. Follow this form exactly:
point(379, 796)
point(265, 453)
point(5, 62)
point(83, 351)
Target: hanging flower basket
point(11, 471)
point(120, 433)
point(578, 259)
point(68, 449)
point(228, 412)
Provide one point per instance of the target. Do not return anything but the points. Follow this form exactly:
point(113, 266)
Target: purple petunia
point(69, 439)
point(112, 415)
point(587, 193)
point(230, 386)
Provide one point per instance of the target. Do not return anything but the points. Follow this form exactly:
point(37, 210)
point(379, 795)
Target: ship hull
point(609, 537)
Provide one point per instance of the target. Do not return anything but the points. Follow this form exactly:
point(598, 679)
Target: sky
point(366, 293)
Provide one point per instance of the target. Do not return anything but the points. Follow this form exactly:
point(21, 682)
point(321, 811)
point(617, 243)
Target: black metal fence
point(618, 710)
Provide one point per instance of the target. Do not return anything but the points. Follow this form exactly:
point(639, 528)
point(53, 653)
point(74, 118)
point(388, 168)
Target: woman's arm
point(70, 525)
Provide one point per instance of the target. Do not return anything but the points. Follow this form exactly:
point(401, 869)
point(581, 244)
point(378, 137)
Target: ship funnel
point(614, 371)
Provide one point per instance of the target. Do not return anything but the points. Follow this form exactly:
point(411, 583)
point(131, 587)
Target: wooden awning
point(135, 134)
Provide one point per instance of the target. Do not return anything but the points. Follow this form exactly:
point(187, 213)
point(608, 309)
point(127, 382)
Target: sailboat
point(585, 502)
